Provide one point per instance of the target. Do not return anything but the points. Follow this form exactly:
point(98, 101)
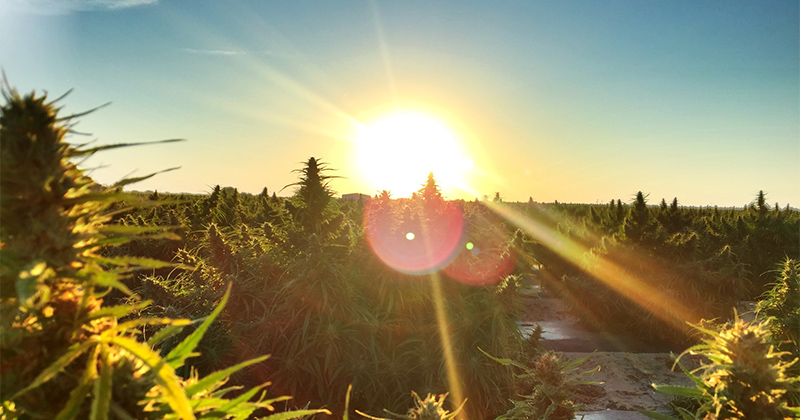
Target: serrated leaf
point(129, 233)
point(126, 181)
point(215, 377)
point(295, 414)
point(78, 395)
point(84, 152)
point(76, 398)
point(117, 311)
point(128, 325)
point(72, 353)
point(110, 279)
point(164, 334)
point(239, 400)
point(504, 362)
point(131, 262)
point(184, 350)
point(171, 388)
point(102, 387)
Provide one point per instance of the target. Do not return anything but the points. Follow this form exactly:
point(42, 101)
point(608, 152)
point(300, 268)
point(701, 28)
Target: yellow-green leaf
point(171, 388)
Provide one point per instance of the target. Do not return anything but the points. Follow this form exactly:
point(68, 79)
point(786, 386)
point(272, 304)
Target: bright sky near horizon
point(575, 101)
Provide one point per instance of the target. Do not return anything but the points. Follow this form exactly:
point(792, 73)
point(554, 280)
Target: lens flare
point(413, 244)
point(485, 259)
point(660, 303)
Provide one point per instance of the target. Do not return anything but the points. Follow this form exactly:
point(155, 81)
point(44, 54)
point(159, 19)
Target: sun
point(397, 151)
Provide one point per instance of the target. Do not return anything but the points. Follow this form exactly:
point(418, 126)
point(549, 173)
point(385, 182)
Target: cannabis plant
point(781, 306)
point(429, 408)
point(64, 354)
point(548, 385)
point(742, 377)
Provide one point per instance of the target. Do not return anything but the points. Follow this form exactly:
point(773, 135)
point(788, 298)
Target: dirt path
point(627, 376)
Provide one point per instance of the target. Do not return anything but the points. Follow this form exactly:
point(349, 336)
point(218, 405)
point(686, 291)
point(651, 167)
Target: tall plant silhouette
point(314, 193)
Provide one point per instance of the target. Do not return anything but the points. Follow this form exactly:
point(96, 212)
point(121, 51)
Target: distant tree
point(497, 198)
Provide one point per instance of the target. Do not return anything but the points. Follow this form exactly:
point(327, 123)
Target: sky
point(574, 101)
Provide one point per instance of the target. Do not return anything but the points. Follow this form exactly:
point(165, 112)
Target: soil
point(626, 376)
point(627, 380)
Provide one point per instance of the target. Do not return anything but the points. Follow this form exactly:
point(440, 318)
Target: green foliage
point(65, 355)
point(429, 408)
point(741, 377)
point(780, 310)
point(548, 383)
point(706, 258)
point(331, 313)
point(781, 305)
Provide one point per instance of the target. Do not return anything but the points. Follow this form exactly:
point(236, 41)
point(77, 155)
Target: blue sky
point(575, 101)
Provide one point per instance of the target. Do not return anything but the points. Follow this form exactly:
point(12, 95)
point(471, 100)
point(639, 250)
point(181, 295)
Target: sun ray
point(387, 61)
point(661, 305)
point(399, 150)
point(453, 377)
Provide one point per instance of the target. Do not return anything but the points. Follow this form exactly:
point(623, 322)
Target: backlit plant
point(64, 354)
point(742, 377)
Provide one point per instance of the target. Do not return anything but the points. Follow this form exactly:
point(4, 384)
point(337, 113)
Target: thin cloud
point(58, 7)
point(213, 52)
point(206, 51)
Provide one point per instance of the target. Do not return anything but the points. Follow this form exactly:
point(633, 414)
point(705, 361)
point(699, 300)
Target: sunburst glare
point(397, 152)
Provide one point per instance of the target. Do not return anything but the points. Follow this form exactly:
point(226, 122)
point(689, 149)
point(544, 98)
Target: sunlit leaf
point(215, 377)
point(165, 376)
point(182, 351)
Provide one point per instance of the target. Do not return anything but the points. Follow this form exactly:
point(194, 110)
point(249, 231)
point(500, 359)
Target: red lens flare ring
point(422, 245)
